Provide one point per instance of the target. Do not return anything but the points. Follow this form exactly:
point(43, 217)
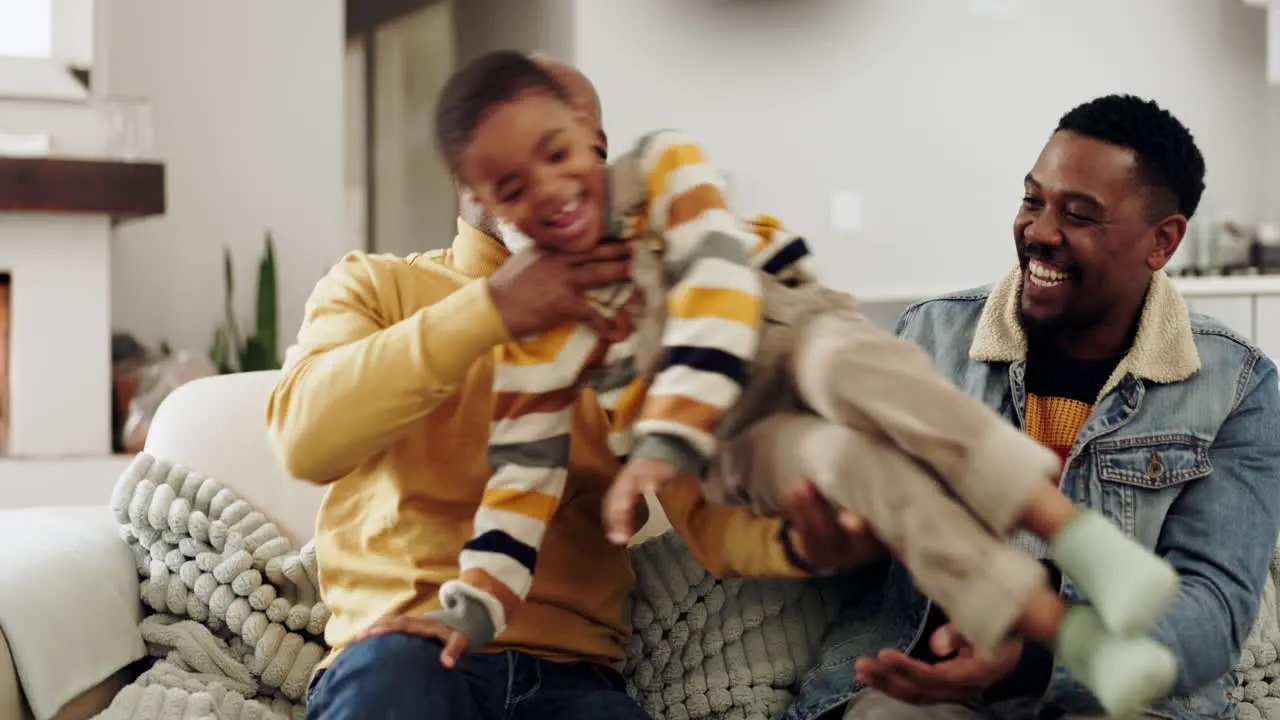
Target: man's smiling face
point(1082, 233)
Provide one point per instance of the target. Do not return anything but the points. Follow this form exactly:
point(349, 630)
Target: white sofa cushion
point(68, 601)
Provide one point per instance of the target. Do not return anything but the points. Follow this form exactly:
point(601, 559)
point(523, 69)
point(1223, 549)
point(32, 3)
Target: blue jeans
point(399, 677)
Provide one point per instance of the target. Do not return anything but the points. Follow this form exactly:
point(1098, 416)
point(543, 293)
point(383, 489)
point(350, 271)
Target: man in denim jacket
point(1168, 423)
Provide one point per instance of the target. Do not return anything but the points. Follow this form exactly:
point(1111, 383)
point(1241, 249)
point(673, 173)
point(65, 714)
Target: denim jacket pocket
point(1140, 477)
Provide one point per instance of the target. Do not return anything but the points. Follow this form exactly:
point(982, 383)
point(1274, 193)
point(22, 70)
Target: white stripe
point(730, 336)
point(555, 375)
point(531, 427)
point(620, 351)
point(609, 400)
point(719, 274)
point(504, 569)
point(622, 443)
point(454, 590)
point(707, 387)
point(703, 442)
point(686, 237)
point(526, 480)
point(521, 527)
point(678, 182)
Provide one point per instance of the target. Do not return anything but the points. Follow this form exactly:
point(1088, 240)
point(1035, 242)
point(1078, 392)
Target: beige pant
point(939, 476)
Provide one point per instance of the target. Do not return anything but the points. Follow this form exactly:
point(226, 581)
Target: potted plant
point(230, 351)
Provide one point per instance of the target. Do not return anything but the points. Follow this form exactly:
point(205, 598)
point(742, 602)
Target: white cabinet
point(1249, 305)
point(1234, 311)
point(1266, 321)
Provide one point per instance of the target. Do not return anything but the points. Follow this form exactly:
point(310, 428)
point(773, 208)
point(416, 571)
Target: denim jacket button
point(1155, 470)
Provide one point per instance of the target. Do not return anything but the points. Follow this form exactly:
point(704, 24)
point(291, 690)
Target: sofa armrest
point(69, 605)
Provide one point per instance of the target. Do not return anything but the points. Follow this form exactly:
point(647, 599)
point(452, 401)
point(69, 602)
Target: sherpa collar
point(1164, 350)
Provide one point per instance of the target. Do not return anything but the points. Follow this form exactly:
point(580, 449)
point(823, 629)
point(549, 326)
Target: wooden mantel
point(123, 190)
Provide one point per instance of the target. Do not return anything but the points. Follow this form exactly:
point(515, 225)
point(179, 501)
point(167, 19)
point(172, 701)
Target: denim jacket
point(1182, 451)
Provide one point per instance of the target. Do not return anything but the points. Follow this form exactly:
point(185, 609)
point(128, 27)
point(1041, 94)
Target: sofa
point(215, 426)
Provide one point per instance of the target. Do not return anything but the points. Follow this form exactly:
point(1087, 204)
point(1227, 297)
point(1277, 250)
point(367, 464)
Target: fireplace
point(4, 360)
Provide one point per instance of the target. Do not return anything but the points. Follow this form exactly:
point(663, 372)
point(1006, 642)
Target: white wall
point(248, 117)
point(1271, 158)
point(931, 113)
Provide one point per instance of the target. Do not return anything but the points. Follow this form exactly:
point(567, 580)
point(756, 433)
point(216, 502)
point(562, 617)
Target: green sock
point(1127, 584)
point(1126, 674)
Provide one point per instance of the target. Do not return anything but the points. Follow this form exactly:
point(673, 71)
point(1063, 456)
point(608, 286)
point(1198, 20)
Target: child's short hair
point(480, 86)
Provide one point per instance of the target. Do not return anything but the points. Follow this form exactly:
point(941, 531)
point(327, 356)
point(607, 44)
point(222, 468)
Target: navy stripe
point(497, 541)
point(708, 360)
point(787, 256)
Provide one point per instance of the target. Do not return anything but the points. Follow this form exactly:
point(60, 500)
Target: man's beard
point(1039, 329)
point(511, 236)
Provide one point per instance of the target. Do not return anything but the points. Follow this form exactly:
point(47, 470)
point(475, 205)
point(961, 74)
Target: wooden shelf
point(123, 190)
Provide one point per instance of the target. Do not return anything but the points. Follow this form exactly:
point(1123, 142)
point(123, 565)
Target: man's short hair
point(479, 87)
point(1169, 163)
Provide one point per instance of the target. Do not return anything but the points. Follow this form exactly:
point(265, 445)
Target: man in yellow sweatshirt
point(386, 397)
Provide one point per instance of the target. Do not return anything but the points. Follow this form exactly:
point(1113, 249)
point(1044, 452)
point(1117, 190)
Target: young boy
point(724, 336)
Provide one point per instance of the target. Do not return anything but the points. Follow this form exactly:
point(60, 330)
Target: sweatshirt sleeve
point(359, 373)
point(713, 308)
point(728, 540)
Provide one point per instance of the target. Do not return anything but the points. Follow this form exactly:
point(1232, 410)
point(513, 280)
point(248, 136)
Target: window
point(59, 30)
point(27, 29)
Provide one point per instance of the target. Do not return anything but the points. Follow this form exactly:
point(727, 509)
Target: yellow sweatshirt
point(387, 396)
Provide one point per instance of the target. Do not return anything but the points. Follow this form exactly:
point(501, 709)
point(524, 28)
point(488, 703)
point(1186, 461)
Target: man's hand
point(960, 679)
point(826, 538)
point(455, 643)
point(639, 476)
point(535, 290)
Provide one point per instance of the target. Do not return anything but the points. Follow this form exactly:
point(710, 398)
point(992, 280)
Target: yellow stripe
point(692, 203)
point(538, 350)
point(672, 159)
point(536, 505)
point(724, 303)
point(627, 409)
point(682, 410)
point(764, 226)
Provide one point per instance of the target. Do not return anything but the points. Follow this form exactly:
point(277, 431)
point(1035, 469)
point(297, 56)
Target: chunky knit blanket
point(237, 624)
point(707, 648)
point(1257, 693)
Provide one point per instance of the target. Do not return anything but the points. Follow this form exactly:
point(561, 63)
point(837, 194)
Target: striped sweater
point(712, 262)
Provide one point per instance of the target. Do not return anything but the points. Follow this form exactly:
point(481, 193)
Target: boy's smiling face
point(535, 163)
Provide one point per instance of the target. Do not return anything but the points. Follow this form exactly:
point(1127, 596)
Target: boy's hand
point(639, 476)
point(455, 643)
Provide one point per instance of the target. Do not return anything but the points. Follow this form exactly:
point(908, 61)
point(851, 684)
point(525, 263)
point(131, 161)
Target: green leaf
point(229, 301)
point(267, 311)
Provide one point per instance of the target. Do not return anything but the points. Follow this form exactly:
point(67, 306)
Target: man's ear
point(1168, 234)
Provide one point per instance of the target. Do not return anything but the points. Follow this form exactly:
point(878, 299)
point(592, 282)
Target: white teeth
point(569, 207)
point(1044, 275)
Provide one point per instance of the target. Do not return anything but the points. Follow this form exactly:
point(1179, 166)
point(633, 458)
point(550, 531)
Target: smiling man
point(1168, 422)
